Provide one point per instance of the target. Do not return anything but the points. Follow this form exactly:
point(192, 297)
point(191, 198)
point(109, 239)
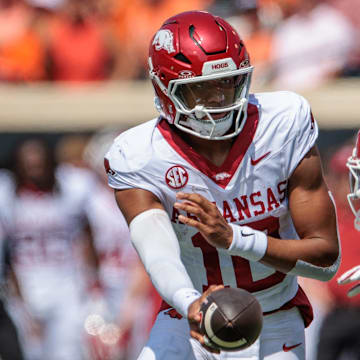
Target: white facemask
point(207, 128)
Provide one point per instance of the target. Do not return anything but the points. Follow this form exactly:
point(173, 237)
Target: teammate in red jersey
point(223, 189)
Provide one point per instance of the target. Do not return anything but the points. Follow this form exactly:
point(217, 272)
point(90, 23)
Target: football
point(231, 319)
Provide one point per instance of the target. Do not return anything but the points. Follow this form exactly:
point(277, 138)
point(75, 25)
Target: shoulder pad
point(132, 149)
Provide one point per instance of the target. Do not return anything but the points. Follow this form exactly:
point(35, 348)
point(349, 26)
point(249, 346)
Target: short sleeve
point(126, 172)
point(305, 133)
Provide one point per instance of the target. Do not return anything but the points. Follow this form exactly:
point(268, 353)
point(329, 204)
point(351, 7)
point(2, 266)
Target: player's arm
point(157, 245)
point(315, 254)
point(132, 202)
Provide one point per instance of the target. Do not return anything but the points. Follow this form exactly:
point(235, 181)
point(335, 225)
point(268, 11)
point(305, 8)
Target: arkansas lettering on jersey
point(248, 188)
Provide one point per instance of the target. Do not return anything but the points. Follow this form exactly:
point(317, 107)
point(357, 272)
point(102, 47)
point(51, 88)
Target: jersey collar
point(223, 174)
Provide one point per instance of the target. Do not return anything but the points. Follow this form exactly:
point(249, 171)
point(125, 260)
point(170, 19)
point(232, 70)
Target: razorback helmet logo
point(176, 177)
point(164, 39)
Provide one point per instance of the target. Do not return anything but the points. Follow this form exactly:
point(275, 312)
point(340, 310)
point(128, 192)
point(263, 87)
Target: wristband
point(183, 298)
point(248, 243)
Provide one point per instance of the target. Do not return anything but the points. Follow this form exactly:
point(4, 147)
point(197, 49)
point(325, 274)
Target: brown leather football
point(231, 319)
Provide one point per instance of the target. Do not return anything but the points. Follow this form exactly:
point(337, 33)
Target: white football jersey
point(40, 228)
point(250, 187)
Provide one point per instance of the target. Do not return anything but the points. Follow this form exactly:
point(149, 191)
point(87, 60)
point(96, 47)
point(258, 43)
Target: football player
point(224, 188)
point(353, 164)
point(42, 215)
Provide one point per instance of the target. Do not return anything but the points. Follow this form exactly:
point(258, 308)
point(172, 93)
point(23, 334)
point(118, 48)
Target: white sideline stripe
point(207, 322)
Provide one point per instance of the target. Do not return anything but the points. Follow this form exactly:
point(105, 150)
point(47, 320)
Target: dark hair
point(48, 183)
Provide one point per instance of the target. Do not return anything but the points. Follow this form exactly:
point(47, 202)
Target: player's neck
point(216, 151)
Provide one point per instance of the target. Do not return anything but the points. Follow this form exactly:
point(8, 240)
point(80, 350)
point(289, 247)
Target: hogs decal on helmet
point(201, 74)
point(353, 164)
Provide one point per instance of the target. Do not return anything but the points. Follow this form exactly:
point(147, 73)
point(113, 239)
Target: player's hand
point(210, 222)
point(351, 276)
point(194, 318)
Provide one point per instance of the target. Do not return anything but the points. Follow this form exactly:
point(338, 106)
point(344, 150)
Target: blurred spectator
point(44, 215)
point(97, 40)
point(78, 48)
point(69, 150)
point(135, 22)
point(22, 53)
point(50, 5)
point(339, 335)
point(351, 9)
point(310, 46)
point(245, 17)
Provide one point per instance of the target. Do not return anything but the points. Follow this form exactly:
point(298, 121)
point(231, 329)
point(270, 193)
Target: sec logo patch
point(176, 177)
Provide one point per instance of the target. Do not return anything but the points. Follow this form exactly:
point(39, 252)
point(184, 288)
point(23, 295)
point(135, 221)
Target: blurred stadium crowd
point(72, 284)
point(292, 42)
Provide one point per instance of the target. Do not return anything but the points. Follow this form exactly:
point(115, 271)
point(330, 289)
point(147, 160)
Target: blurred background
point(73, 75)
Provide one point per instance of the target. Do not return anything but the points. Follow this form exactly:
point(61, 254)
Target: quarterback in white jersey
point(223, 189)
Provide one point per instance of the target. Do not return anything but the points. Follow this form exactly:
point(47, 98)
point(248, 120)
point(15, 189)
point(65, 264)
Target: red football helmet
point(353, 164)
point(201, 74)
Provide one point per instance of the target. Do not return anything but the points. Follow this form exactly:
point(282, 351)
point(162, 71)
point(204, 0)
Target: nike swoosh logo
point(256, 161)
point(243, 234)
point(288, 348)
